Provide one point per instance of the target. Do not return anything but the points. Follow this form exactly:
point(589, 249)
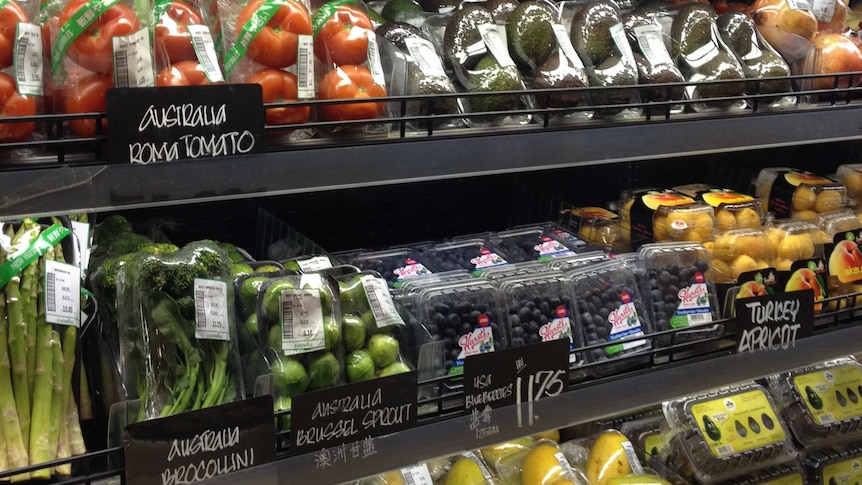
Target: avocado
point(740, 429)
point(614, 71)
point(418, 83)
point(649, 73)
point(394, 7)
point(501, 9)
point(711, 429)
point(692, 28)
point(462, 42)
point(530, 33)
point(752, 423)
point(591, 34)
point(767, 421)
point(560, 72)
point(490, 76)
point(813, 398)
point(721, 67)
point(758, 59)
point(396, 32)
point(738, 31)
point(438, 6)
point(634, 19)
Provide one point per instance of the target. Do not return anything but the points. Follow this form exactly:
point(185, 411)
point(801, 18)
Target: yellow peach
point(724, 220)
point(743, 263)
point(804, 198)
point(828, 201)
point(748, 218)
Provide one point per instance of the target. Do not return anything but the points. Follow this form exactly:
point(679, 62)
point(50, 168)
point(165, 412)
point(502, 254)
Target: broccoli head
point(110, 229)
point(104, 278)
point(175, 273)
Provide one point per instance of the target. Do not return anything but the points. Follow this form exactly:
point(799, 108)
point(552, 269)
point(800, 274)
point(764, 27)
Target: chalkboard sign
point(353, 412)
point(774, 322)
point(165, 124)
point(199, 445)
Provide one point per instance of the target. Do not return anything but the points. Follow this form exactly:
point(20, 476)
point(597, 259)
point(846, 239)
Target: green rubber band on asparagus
point(86, 292)
point(36, 249)
point(249, 31)
point(326, 12)
point(77, 24)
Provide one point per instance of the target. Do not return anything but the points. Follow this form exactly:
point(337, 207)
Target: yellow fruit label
point(718, 198)
point(653, 444)
point(654, 200)
point(831, 395)
point(594, 213)
point(793, 479)
point(798, 178)
point(737, 423)
point(845, 472)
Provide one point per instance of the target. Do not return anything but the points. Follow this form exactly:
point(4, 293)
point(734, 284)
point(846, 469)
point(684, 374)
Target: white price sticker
point(417, 475)
point(310, 281)
point(380, 301)
point(755, 52)
point(618, 33)
point(632, 457)
point(495, 40)
point(305, 67)
point(316, 263)
point(485, 473)
point(651, 44)
point(202, 41)
point(799, 5)
point(824, 10)
point(374, 64)
point(301, 322)
point(133, 61)
point(565, 43)
point(28, 59)
point(425, 56)
point(702, 54)
point(81, 233)
point(211, 310)
point(62, 293)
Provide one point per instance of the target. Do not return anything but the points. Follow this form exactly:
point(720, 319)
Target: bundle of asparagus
point(38, 413)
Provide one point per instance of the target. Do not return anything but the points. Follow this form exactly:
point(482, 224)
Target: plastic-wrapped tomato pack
point(20, 68)
point(183, 44)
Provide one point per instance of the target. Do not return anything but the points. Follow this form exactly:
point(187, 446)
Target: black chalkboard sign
point(353, 412)
point(165, 124)
point(200, 445)
point(774, 322)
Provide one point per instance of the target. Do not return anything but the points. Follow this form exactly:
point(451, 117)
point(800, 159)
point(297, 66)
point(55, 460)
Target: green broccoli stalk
point(169, 324)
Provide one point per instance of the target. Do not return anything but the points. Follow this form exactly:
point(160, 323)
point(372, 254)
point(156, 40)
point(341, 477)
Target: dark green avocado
point(692, 28)
point(758, 59)
point(591, 34)
point(813, 398)
point(560, 72)
point(721, 67)
point(530, 33)
point(711, 429)
point(396, 32)
point(462, 42)
point(614, 72)
point(394, 7)
point(490, 76)
point(501, 9)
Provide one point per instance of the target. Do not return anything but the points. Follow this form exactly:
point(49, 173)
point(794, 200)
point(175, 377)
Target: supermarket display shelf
point(70, 187)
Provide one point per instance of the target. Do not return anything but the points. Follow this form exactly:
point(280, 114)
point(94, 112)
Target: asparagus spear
point(86, 405)
point(41, 447)
point(68, 358)
point(58, 389)
point(30, 295)
point(76, 438)
point(4, 459)
point(16, 453)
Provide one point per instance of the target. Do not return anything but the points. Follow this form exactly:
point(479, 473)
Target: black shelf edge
point(589, 403)
point(78, 188)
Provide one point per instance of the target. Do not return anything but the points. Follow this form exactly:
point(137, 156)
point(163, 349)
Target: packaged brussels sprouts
point(727, 432)
point(821, 403)
point(178, 333)
point(789, 193)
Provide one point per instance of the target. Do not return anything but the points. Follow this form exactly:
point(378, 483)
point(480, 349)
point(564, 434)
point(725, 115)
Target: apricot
point(724, 220)
point(853, 182)
point(804, 199)
point(775, 236)
point(828, 201)
point(748, 218)
point(721, 272)
point(783, 264)
point(806, 215)
point(755, 246)
point(795, 247)
point(743, 263)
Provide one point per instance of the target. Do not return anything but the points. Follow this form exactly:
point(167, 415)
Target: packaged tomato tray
point(183, 43)
point(532, 244)
point(21, 87)
point(472, 255)
point(728, 432)
point(466, 316)
point(611, 308)
point(789, 193)
point(822, 403)
point(396, 265)
point(842, 464)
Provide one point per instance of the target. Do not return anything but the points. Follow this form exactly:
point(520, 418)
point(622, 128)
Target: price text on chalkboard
point(345, 414)
point(200, 445)
point(774, 322)
point(149, 125)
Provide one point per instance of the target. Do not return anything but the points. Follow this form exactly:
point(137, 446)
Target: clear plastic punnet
point(396, 265)
point(851, 176)
point(471, 254)
point(498, 273)
point(597, 225)
point(693, 222)
point(739, 251)
point(732, 209)
point(678, 283)
point(789, 193)
point(822, 403)
point(541, 308)
point(784, 474)
point(793, 241)
point(842, 254)
point(644, 224)
point(539, 463)
point(466, 316)
point(727, 432)
point(578, 261)
point(835, 465)
point(611, 311)
point(531, 244)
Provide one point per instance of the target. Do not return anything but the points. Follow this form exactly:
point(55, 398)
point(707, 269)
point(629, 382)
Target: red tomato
point(87, 95)
point(13, 104)
point(171, 31)
point(10, 15)
point(183, 73)
point(351, 82)
point(275, 45)
point(93, 48)
point(342, 38)
point(280, 86)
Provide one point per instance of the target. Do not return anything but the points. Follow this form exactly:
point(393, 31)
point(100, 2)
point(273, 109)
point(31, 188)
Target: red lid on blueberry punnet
point(483, 320)
point(625, 297)
point(410, 261)
point(698, 277)
point(484, 251)
point(561, 311)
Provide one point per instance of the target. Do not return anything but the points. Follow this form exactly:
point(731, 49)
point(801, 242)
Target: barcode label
point(202, 41)
point(425, 56)
point(565, 43)
point(62, 293)
point(316, 263)
point(374, 64)
point(305, 67)
point(380, 301)
point(564, 464)
point(824, 10)
point(618, 33)
point(651, 44)
point(133, 61)
point(121, 69)
point(826, 418)
point(799, 5)
point(28, 59)
point(301, 322)
point(417, 475)
point(723, 450)
point(695, 319)
point(632, 457)
point(211, 310)
point(495, 40)
point(472, 456)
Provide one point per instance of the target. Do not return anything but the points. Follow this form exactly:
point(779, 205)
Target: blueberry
point(440, 320)
point(545, 307)
point(533, 327)
point(449, 344)
point(454, 321)
point(670, 308)
point(474, 315)
point(664, 277)
point(517, 332)
point(441, 308)
point(701, 265)
point(465, 328)
point(604, 313)
point(537, 314)
point(598, 321)
point(525, 314)
point(543, 320)
point(554, 302)
point(673, 290)
point(602, 332)
point(454, 353)
point(450, 333)
point(432, 329)
point(534, 339)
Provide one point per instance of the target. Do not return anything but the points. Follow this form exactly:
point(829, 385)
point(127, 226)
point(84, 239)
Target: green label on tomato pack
point(159, 9)
point(37, 248)
point(326, 12)
point(77, 24)
point(249, 31)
